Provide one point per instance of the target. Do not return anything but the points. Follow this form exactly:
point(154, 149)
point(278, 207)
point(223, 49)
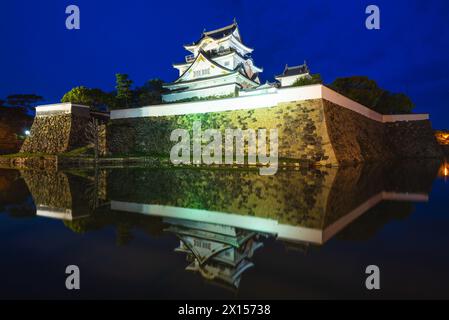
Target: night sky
point(408, 54)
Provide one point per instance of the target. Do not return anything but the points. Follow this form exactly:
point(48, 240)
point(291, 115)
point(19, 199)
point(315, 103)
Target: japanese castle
point(220, 65)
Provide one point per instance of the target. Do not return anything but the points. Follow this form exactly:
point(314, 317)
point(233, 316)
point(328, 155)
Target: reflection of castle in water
point(221, 217)
point(219, 253)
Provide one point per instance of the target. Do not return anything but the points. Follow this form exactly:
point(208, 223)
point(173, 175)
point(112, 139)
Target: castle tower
point(219, 65)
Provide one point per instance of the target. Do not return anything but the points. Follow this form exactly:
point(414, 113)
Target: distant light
point(27, 132)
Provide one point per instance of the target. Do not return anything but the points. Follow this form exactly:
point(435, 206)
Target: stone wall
point(311, 131)
point(55, 132)
point(301, 129)
point(356, 138)
point(49, 134)
point(412, 140)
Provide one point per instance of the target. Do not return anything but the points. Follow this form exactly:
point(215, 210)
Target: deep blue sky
point(143, 38)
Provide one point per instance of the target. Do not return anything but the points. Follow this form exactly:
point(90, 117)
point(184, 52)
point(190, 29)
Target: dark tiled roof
point(218, 33)
point(293, 71)
point(222, 32)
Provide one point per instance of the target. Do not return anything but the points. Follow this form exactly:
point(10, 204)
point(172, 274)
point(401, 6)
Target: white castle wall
point(263, 101)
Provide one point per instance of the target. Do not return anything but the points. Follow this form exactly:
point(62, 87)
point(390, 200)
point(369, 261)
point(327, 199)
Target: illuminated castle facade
point(219, 65)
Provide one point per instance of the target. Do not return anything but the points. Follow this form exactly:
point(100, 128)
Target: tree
point(25, 101)
point(79, 95)
point(305, 81)
point(392, 103)
point(367, 92)
point(123, 86)
point(92, 134)
point(95, 98)
point(150, 93)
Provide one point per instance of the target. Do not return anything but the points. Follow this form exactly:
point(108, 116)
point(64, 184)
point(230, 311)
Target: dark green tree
point(395, 103)
point(95, 98)
point(25, 101)
point(123, 87)
point(367, 92)
point(150, 93)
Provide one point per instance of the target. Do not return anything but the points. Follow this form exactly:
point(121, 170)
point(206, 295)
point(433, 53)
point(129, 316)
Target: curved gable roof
point(219, 33)
point(203, 55)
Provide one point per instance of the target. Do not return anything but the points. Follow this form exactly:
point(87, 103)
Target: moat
point(186, 233)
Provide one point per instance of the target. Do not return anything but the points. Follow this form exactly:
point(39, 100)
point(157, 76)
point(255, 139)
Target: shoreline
point(57, 162)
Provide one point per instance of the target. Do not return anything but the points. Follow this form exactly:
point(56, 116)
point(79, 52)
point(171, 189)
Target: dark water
point(145, 233)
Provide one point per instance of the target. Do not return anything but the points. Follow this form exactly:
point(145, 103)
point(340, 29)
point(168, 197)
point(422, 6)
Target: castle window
point(199, 73)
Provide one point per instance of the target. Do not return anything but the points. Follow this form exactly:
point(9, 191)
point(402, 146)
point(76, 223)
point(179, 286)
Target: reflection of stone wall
point(59, 190)
point(312, 198)
point(354, 185)
point(297, 197)
point(301, 128)
point(50, 188)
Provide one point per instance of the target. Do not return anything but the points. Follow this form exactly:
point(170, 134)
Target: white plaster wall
point(246, 102)
point(67, 107)
point(263, 100)
point(288, 81)
point(345, 102)
point(201, 65)
point(232, 78)
point(404, 117)
point(221, 90)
